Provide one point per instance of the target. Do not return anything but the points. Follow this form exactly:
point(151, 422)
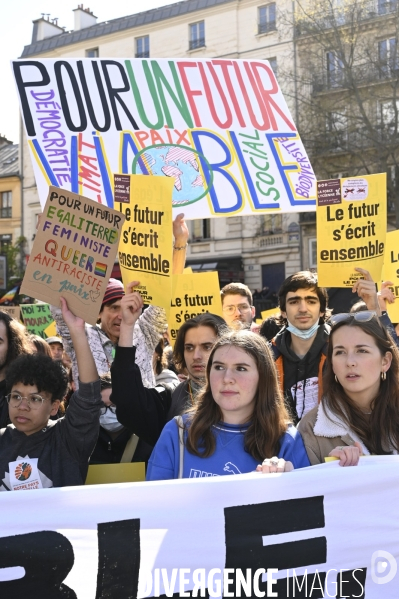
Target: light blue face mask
point(303, 334)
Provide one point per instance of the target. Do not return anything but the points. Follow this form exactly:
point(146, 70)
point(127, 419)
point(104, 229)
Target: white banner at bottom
point(323, 531)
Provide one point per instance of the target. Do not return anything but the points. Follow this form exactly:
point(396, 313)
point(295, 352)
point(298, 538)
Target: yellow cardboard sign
point(267, 313)
point(145, 248)
point(193, 294)
point(51, 330)
point(351, 228)
point(390, 272)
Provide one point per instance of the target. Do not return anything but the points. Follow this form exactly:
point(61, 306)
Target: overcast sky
point(16, 18)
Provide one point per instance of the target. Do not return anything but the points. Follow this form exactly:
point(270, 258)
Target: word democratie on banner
point(351, 221)
point(220, 129)
point(73, 253)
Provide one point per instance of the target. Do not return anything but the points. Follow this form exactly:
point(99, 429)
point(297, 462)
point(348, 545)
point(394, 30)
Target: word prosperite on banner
point(251, 535)
point(220, 129)
point(73, 253)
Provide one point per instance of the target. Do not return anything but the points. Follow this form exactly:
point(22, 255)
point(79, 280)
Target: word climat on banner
point(87, 119)
point(73, 253)
point(351, 228)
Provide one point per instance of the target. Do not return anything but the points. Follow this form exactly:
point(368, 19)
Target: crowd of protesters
point(227, 399)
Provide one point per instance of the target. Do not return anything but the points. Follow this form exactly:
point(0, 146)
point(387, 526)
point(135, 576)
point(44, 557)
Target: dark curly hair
point(40, 370)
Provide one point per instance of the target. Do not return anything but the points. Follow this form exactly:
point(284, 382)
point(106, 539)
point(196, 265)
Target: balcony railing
point(198, 43)
point(357, 74)
point(267, 27)
point(328, 19)
point(5, 212)
point(276, 240)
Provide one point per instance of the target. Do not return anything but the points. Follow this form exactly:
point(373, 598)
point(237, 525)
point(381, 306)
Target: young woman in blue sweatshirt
point(239, 423)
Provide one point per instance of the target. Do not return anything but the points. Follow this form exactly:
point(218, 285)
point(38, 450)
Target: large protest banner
point(37, 318)
point(73, 253)
point(351, 221)
point(193, 294)
point(327, 529)
point(145, 247)
point(220, 129)
point(390, 272)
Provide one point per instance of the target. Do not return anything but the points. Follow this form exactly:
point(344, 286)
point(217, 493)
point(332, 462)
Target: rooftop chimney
point(4, 141)
point(83, 18)
point(44, 28)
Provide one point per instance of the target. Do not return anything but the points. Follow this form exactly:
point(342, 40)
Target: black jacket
point(141, 410)
point(110, 450)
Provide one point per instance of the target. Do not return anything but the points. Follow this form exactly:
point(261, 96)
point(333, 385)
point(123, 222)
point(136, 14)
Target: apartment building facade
point(10, 199)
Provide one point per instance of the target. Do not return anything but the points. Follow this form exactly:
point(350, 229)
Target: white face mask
point(303, 334)
point(110, 422)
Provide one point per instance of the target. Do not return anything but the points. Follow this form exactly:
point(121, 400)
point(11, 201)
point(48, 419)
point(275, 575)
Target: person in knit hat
point(103, 337)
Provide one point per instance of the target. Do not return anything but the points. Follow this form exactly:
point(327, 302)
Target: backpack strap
point(130, 449)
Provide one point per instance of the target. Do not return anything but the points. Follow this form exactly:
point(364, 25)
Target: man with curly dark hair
point(35, 451)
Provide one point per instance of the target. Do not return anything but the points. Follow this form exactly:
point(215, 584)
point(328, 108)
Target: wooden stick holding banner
point(193, 294)
point(351, 228)
point(145, 248)
point(73, 253)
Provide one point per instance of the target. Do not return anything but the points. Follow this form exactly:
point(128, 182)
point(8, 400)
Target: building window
point(273, 65)
point(92, 53)
point(388, 57)
point(312, 253)
point(197, 35)
point(386, 6)
point(267, 18)
point(272, 223)
point(337, 130)
point(5, 241)
point(6, 204)
point(143, 46)
point(201, 228)
point(335, 70)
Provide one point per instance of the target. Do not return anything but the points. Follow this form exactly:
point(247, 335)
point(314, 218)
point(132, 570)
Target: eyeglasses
point(34, 400)
point(104, 409)
point(363, 316)
point(242, 308)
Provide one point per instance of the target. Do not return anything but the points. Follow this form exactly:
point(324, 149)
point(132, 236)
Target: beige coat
point(322, 432)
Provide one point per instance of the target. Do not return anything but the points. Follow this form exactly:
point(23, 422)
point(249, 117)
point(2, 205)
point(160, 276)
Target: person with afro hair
point(35, 451)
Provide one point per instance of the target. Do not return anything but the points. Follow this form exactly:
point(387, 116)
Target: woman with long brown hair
point(238, 422)
point(359, 411)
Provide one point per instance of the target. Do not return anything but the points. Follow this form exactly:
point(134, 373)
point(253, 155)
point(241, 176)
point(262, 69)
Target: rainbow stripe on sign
point(100, 269)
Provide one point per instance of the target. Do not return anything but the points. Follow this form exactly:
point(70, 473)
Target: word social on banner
point(390, 272)
point(245, 535)
point(73, 253)
point(220, 129)
point(193, 294)
point(351, 228)
point(145, 248)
